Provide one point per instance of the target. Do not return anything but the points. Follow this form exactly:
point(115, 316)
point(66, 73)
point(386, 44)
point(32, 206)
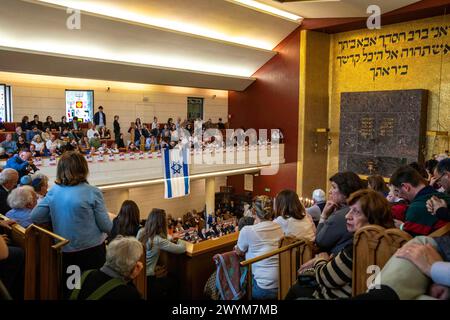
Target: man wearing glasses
point(435, 205)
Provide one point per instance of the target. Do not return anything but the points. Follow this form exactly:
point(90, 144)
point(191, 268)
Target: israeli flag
point(176, 172)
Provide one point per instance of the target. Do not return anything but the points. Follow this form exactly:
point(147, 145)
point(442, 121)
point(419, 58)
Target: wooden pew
point(292, 254)
point(441, 231)
point(373, 245)
point(141, 280)
point(43, 261)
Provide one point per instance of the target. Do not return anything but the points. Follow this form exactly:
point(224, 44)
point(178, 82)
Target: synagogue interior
point(223, 150)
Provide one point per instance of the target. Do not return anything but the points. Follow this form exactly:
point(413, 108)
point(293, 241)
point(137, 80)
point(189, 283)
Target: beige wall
point(313, 111)
point(153, 197)
point(428, 68)
point(44, 96)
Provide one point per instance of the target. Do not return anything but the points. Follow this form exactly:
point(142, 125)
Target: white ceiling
point(337, 8)
point(196, 43)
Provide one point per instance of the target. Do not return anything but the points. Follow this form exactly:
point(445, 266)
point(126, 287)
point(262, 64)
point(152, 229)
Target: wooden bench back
point(141, 280)
point(373, 246)
point(43, 261)
point(293, 252)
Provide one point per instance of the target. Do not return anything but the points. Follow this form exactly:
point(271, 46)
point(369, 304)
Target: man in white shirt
point(92, 131)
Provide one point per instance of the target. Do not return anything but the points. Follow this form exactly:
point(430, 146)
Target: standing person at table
point(77, 212)
point(116, 125)
point(100, 118)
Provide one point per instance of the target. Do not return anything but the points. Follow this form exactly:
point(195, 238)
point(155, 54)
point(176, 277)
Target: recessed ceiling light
point(268, 9)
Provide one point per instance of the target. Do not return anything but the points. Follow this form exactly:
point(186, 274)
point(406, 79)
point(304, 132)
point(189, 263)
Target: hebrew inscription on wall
point(387, 54)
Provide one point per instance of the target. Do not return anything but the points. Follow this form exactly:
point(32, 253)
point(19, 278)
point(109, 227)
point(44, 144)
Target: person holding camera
point(22, 163)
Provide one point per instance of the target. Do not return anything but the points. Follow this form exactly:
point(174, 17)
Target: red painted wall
point(272, 102)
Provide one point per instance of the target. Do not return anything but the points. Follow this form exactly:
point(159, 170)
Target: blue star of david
point(176, 168)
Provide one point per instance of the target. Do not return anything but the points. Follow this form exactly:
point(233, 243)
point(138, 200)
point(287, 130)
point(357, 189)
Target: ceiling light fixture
point(155, 21)
point(268, 9)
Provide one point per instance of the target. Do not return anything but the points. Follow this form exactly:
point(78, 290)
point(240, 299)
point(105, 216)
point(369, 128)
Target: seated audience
point(376, 182)
point(104, 133)
point(92, 131)
point(50, 124)
point(333, 274)
point(22, 163)
point(420, 169)
point(63, 124)
point(332, 234)
point(292, 217)
point(255, 240)
point(84, 144)
point(120, 142)
point(95, 141)
point(410, 185)
point(25, 124)
point(2, 126)
point(127, 221)
point(398, 205)
point(18, 133)
point(39, 183)
point(319, 203)
point(77, 213)
point(36, 123)
point(436, 206)
point(22, 200)
point(38, 144)
point(114, 149)
point(53, 145)
point(22, 144)
point(154, 237)
point(46, 135)
point(33, 132)
point(8, 181)
point(430, 165)
point(114, 280)
point(9, 145)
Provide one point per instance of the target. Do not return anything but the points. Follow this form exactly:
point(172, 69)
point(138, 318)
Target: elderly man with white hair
point(114, 280)
point(320, 200)
point(22, 201)
point(8, 181)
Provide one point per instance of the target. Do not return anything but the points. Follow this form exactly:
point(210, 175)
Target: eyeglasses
point(438, 179)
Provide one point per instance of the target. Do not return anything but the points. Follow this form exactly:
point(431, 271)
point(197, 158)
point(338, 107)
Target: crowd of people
point(416, 200)
point(50, 138)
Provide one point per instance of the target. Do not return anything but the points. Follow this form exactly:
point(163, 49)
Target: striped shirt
point(335, 276)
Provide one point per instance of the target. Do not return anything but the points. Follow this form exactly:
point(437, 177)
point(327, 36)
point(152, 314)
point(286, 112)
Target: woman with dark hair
point(333, 274)
point(292, 216)
point(25, 124)
point(77, 213)
point(63, 124)
point(376, 182)
point(154, 238)
point(260, 238)
point(127, 221)
point(332, 235)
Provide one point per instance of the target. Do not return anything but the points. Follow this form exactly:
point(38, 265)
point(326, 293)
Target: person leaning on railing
point(77, 212)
